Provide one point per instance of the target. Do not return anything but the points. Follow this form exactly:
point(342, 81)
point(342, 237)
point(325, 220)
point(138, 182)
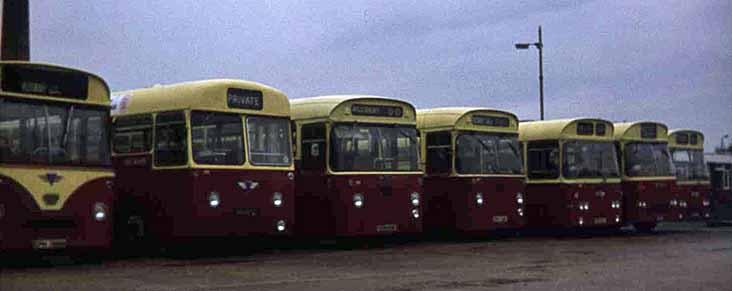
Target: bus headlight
point(520, 211)
point(520, 198)
point(415, 199)
point(479, 199)
point(100, 211)
point(682, 204)
point(415, 213)
point(584, 206)
point(358, 200)
point(705, 202)
point(673, 202)
point(642, 204)
point(281, 225)
point(214, 199)
point(277, 199)
point(615, 204)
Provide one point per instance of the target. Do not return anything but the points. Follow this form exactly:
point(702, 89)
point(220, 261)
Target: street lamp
point(721, 146)
point(539, 45)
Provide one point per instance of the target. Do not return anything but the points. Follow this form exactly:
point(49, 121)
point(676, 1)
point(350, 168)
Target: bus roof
point(225, 95)
point(681, 138)
point(467, 118)
point(340, 108)
point(631, 131)
point(97, 90)
point(564, 129)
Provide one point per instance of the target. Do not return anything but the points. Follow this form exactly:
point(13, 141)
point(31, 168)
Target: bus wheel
point(644, 227)
point(132, 236)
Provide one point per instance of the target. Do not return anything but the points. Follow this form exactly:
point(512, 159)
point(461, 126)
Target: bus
point(202, 159)
point(693, 188)
point(648, 180)
point(358, 169)
point(474, 175)
point(55, 172)
point(573, 176)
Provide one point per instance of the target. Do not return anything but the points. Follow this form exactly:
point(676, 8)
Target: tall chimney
point(15, 30)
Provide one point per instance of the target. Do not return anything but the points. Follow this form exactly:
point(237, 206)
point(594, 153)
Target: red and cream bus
point(55, 172)
point(358, 171)
point(694, 189)
point(474, 175)
point(203, 159)
point(572, 171)
point(648, 180)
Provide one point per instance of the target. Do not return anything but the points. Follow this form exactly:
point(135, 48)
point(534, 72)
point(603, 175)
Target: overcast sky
point(669, 61)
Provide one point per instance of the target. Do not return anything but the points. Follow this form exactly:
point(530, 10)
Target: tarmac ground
point(680, 256)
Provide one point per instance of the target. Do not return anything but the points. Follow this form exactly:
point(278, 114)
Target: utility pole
point(540, 46)
point(14, 27)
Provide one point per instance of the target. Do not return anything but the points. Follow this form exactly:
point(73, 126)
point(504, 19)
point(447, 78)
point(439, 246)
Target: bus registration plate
point(500, 219)
point(246, 211)
point(386, 228)
point(600, 220)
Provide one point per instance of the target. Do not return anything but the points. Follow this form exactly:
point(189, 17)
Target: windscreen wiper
point(65, 139)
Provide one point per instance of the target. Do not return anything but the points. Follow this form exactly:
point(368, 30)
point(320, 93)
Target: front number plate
point(500, 219)
point(386, 228)
point(600, 220)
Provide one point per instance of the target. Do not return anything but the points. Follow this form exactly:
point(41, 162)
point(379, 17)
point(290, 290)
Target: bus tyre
point(644, 227)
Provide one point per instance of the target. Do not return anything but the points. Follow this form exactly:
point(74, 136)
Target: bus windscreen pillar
point(15, 30)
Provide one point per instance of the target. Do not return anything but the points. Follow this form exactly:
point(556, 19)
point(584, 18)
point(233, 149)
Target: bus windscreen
point(374, 148)
point(488, 153)
point(53, 134)
point(647, 160)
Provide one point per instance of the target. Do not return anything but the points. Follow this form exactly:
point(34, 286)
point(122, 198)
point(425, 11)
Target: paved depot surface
point(679, 257)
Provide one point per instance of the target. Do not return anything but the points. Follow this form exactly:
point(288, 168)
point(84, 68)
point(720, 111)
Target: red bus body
point(474, 175)
point(357, 164)
point(174, 203)
point(213, 187)
point(55, 178)
point(573, 174)
point(450, 203)
point(698, 200)
point(325, 205)
point(649, 202)
point(24, 226)
point(693, 183)
point(558, 205)
point(649, 185)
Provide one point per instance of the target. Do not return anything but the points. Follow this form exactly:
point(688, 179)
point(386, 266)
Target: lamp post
point(539, 45)
point(721, 146)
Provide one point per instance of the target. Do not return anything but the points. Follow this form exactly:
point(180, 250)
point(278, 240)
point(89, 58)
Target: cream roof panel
point(631, 131)
point(451, 117)
point(336, 108)
point(561, 129)
point(672, 139)
point(198, 95)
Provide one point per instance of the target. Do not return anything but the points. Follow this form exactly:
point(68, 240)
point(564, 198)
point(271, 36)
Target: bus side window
point(439, 152)
point(313, 146)
point(171, 145)
point(132, 134)
point(543, 160)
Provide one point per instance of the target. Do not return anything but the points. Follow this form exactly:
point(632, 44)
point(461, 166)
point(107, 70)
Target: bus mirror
point(635, 168)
